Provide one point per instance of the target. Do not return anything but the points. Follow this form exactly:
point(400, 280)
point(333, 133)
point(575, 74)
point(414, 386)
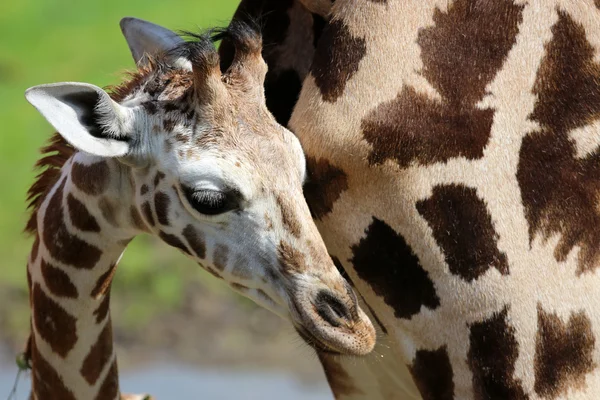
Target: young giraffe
point(188, 154)
point(453, 150)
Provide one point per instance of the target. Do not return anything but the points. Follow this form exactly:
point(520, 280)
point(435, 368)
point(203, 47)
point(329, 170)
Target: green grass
point(43, 41)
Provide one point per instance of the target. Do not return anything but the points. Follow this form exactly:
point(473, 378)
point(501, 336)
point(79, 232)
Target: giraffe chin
point(353, 336)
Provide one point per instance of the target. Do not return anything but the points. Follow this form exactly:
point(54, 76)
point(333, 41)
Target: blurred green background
point(161, 301)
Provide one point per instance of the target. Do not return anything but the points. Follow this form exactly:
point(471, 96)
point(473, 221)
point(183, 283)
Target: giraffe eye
point(209, 202)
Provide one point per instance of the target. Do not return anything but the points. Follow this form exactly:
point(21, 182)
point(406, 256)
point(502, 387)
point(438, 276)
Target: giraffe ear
point(85, 116)
point(145, 38)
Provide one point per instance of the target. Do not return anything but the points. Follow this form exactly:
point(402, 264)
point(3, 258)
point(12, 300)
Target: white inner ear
point(144, 37)
point(67, 107)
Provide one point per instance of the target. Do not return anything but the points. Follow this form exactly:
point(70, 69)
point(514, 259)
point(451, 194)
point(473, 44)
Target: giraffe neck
point(82, 232)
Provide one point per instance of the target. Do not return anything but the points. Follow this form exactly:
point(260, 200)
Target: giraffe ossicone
point(186, 151)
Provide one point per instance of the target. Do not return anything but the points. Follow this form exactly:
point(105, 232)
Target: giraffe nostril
point(331, 308)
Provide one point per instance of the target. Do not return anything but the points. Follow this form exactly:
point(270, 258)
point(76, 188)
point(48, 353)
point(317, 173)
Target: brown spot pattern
point(168, 125)
point(387, 263)
point(103, 282)
point(80, 216)
point(220, 256)
point(161, 205)
point(136, 219)
point(174, 241)
point(46, 382)
point(461, 55)
point(147, 211)
point(432, 373)
point(35, 249)
point(339, 380)
point(492, 354)
point(560, 191)
point(239, 287)
point(53, 323)
point(336, 59)
point(158, 177)
point(108, 210)
point(144, 189)
point(288, 215)
point(110, 386)
point(463, 229)
point(290, 259)
point(61, 244)
point(91, 179)
point(102, 311)
point(100, 353)
point(196, 241)
point(58, 281)
point(324, 187)
point(563, 353)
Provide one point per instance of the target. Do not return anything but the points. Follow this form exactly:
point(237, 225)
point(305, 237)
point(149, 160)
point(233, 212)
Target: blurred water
point(179, 382)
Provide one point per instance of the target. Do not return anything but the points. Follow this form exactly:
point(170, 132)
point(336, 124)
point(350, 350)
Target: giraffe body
point(453, 150)
point(191, 155)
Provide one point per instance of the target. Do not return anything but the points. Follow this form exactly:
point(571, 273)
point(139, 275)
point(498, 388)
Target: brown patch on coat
point(110, 386)
point(57, 281)
point(35, 249)
point(220, 256)
point(560, 191)
point(100, 353)
point(388, 265)
point(46, 382)
point(161, 205)
point(136, 219)
point(102, 311)
point(53, 323)
point(147, 211)
point(463, 228)
point(103, 283)
point(288, 215)
point(336, 59)
point(491, 358)
point(91, 179)
point(433, 375)
point(80, 216)
point(109, 211)
point(61, 244)
point(174, 241)
point(239, 287)
point(563, 353)
point(597, 3)
point(292, 261)
point(324, 186)
point(196, 241)
point(168, 125)
point(144, 189)
point(158, 177)
point(461, 55)
point(340, 382)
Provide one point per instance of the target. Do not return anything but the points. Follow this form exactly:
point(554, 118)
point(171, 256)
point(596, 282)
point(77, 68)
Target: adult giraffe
point(454, 165)
point(188, 154)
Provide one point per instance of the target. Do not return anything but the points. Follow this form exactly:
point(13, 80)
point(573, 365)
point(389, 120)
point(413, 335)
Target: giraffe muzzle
point(334, 323)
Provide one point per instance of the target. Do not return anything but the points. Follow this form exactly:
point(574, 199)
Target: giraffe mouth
point(312, 341)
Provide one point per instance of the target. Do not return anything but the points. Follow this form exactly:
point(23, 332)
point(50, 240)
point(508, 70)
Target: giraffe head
point(204, 166)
